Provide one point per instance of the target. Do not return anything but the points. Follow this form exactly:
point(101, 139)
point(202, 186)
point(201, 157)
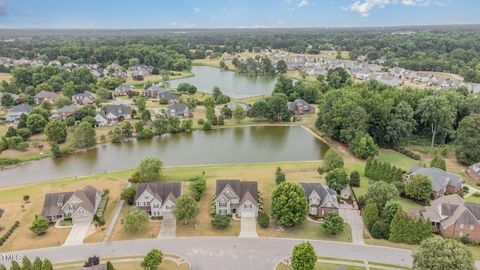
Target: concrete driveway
point(168, 228)
point(248, 227)
point(77, 234)
point(352, 217)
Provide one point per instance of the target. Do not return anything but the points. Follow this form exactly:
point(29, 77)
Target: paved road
point(206, 253)
point(248, 227)
point(352, 217)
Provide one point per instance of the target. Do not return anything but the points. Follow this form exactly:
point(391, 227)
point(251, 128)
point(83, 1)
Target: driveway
point(168, 228)
point(248, 227)
point(77, 234)
point(352, 217)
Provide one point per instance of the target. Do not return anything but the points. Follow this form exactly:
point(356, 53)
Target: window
point(462, 226)
point(467, 235)
point(147, 198)
point(471, 227)
point(223, 211)
point(156, 206)
point(222, 204)
point(169, 207)
point(247, 206)
point(461, 234)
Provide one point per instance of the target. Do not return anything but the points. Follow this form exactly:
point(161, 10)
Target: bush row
point(407, 153)
point(7, 234)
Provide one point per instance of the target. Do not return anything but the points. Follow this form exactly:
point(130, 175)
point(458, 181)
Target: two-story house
point(300, 107)
point(453, 217)
point(83, 98)
point(14, 114)
point(113, 114)
point(157, 198)
point(177, 110)
point(321, 199)
point(48, 96)
point(442, 181)
point(237, 197)
point(80, 205)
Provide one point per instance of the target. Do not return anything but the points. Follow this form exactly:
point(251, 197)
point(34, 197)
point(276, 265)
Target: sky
point(234, 13)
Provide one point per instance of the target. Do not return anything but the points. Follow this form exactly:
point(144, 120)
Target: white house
point(157, 198)
point(237, 197)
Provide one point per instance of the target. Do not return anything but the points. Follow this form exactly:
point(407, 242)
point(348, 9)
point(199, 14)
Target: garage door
point(248, 213)
point(82, 219)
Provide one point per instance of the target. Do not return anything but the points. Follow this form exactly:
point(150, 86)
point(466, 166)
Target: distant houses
point(80, 205)
point(473, 171)
point(157, 92)
point(123, 90)
point(83, 98)
point(157, 199)
point(300, 107)
point(65, 111)
point(321, 199)
point(113, 114)
point(47, 96)
point(14, 114)
point(442, 181)
point(235, 197)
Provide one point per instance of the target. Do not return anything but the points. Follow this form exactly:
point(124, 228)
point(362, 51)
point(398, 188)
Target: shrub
point(407, 153)
point(220, 222)
point(337, 179)
point(263, 220)
point(355, 179)
point(332, 160)
point(363, 146)
point(379, 230)
point(9, 232)
point(333, 223)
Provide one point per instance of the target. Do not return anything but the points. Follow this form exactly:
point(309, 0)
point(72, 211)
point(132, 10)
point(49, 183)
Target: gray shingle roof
point(118, 110)
point(160, 190)
point(325, 193)
point(21, 108)
point(51, 204)
point(243, 189)
point(440, 178)
point(67, 109)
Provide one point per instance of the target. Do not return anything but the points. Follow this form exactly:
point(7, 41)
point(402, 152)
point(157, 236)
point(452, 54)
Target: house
point(321, 199)
point(123, 90)
point(113, 114)
point(157, 198)
point(473, 171)
point(80, 205)
point(153, 91)
point(66, 111)
point(178, 110)
point(389, 80)
point(453, 217)
point(300, 107)
point(48, 96)
point(83, 98)
point(442, 181)
point(237, 197)
point(14, 114)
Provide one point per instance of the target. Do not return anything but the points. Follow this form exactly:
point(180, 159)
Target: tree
point(370, 214)
point(15, 266)
point(333, 223)
point(36, 123)
point(37, 264)
point(186, 208)
point(437, 253)
point(47, 265)
point(337, 77)
point(437, 113)
point(135, 221)
point(391, 208)
point(7, 100)
point(117, 135)
point(355, 179)
point(279, 176)
point(419, 187)
point(110, 266)
point(363, 146)
point(401, 125)
point(381, 192)
point(149, 169)
point(84, 135)
point(128, 194)
point(332, 160)
point(152, 260)
point(126, 129)
point(187, 126)
point(263, 220)
point(337, 179)
point(39, 226)
point(26, 263)
point(438, 162)
point(56, 131)
point(282, 67)
point(468, 140)
point(238, 114)
point(289, 204)
point(220, 222)
point(304, 257)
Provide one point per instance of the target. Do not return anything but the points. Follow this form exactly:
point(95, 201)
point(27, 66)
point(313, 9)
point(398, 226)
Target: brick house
point(473, 171)
point(442, 181)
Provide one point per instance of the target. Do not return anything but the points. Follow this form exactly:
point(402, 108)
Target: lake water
point(232, 84)
point(220, 146)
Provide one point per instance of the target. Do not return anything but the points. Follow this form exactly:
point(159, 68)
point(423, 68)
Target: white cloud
point(197, 10)
point(303, 3)
point(363, 7)
point(181, 25)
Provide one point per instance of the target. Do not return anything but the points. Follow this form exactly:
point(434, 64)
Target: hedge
point(407, 153)
point(7, 234)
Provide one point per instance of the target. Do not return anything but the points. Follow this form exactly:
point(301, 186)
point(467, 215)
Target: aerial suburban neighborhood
point(281, 135)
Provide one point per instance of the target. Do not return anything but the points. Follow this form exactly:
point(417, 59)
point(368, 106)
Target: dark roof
point(67, 109)
point(239, 187)
point(118, 110)
point(83, 95)
point(322, 190)
point(46, 94)
point(155, 88)
point(440, 178)
point(177, 107)
point(87, 195)
point(21, 108)
point(160, 189)
point(167, 95)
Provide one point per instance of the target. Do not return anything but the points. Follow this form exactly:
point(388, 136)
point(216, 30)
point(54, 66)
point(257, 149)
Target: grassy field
point(158, 78)
point(5, 76)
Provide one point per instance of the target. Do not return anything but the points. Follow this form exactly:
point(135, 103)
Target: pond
point(232, 84)
point(220, 146)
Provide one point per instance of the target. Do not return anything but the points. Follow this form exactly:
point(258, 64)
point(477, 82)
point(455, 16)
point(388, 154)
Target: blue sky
point(233, 13)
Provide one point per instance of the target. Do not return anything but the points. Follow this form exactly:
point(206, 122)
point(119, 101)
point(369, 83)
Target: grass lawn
point(158, 78)
point(307, 230)
point(151, 231)
point(5, 76)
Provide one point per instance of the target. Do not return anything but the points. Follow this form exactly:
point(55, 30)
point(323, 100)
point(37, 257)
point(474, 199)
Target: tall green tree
point(337, 179)
point(186, 208)
point(333, 223)
point(437, 253)
point(238, 114)
point(332, 160)
point(437, 113)
point(304, 257)
point(36, 123)
point(419, 187)
point(152, 260)
point(56, 131)
point(381, 192)
point(84, 135)
point(468, 140)
point(149, 169)
point(289, 204)
point(135, 221)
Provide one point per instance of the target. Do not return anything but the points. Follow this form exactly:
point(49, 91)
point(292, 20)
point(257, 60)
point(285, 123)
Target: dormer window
point(59, 204)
